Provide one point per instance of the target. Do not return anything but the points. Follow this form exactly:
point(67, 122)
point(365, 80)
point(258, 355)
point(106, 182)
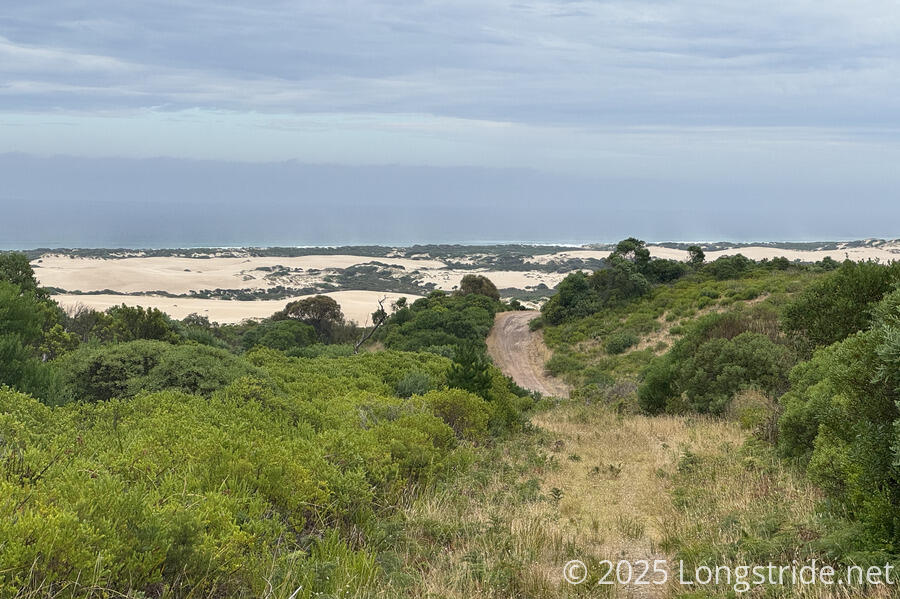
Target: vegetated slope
point(521, 354)
point(803, 358)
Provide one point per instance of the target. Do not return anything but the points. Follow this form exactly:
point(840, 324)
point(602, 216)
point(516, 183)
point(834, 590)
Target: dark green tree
point(480, 285)
point(470, 370)
point(23, 320)
point(319, 311)
point(634, 250)
point(283, 335)
point(696, 256)
point(16, 269)
point(621, 282)
point(840, 304)
point(129, 323)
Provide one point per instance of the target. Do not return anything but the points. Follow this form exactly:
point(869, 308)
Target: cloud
point(582, 63)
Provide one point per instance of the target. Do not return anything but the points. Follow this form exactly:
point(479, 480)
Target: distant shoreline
point(232, 284)
point(375, 249)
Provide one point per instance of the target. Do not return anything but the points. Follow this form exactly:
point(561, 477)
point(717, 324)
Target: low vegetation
point(802, 356)
point(724, 413)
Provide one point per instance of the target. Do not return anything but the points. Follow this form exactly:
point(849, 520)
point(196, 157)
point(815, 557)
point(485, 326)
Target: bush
point(719, 355)
point(617, 343)
point(320, 350)
point(657, 385)
point(439, 321)
point(223, 494)
point(129, 323)
point(841, 419)
point(26, 322)
point(414, 383)
point(728, 267)
point(840, 304)
point(100, 373)
point(480, 285)
point(470, 370)
point(757, 413)
point(466, 413)
point(283, 335)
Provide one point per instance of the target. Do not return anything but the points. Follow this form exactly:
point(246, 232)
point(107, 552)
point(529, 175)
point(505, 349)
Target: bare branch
point(378, 319)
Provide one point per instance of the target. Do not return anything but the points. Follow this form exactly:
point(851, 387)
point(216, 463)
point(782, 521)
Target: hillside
point(719, 414)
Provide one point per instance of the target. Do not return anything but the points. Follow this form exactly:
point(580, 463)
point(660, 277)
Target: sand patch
point(570, 255)
point(356, 305)
point(182, 275)
point(449, 280)
point(857, 254)
point(884, 253)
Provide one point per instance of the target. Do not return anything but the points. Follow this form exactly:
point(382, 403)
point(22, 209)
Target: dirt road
point(521, 353)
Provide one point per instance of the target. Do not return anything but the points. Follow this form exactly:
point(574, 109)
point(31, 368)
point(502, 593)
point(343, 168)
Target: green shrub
point(439, 321)
point(839, 304)
point(719, 355)
point(466, 413)
point(841, 419)
point(560, 363)
point(617, 343)
point(414, 383)
point(265, 480)
point(728, 267)
point(283, 335)
point(99, 373)
point(26, 321)
point(320, 350)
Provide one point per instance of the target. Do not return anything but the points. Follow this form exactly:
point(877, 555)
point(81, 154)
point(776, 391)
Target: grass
point(699, 489)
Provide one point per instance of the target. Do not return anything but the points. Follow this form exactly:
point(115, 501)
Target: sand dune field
point(184, 275)
point(356, 305)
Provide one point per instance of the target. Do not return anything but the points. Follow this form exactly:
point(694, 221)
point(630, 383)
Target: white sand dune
point(356, 305)
point(449, 280)
point(182, 275)
point(885, 253)
point(861, 254)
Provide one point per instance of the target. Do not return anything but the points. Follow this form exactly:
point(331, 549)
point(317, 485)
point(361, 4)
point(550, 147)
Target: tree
point(633, 250)
point(480, 285)
point(16, 269)
point(573, 299)
point(320, 311)
point(23, 320)
point(129, 323)
point(57, 341)
point(728, 267)
point(696, 256)
point(84, 322)
point(839, 304)
point(470, 371)
point(621, 282)
point(99, 373)
point(283, 335)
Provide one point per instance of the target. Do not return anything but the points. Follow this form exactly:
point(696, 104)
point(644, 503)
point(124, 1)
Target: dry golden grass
point(603, 498)
point(617, 487)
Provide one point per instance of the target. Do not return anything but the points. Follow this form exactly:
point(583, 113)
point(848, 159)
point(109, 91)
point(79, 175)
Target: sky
point(193, 122)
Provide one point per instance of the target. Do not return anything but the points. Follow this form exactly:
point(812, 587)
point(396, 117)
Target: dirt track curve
point(521, 353)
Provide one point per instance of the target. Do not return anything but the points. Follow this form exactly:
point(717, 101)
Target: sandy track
point(521, 353)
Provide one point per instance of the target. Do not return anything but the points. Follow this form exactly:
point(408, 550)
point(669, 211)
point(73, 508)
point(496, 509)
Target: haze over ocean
point(373, 121)
point(89, 202)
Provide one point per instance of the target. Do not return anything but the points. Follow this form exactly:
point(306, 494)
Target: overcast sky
point(694, 105)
